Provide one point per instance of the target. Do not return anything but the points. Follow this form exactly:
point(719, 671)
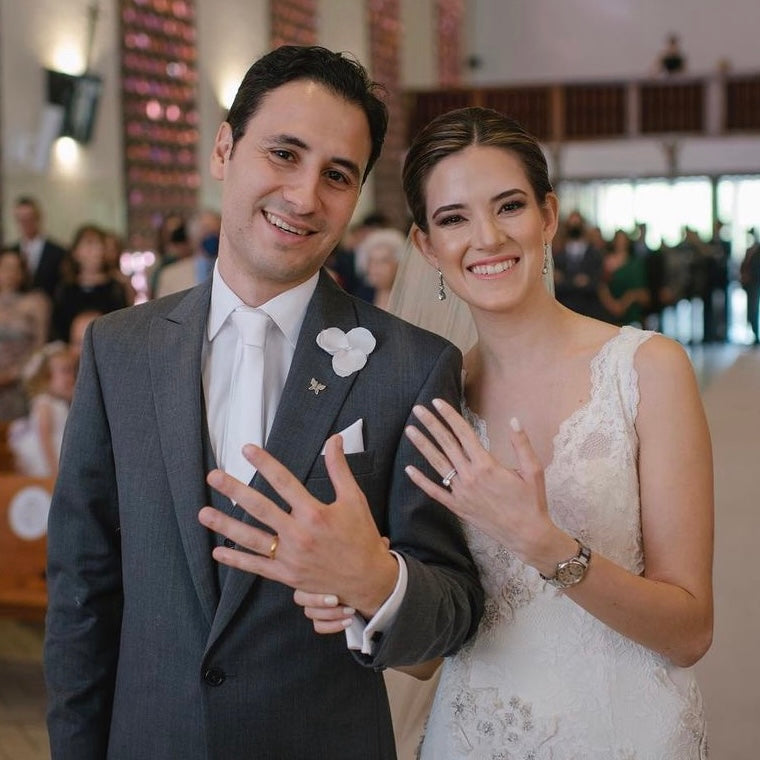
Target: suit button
point(229, 543)
point(214, 676)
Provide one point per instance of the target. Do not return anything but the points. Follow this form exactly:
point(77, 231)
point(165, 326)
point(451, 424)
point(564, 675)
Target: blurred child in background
point(35, 440)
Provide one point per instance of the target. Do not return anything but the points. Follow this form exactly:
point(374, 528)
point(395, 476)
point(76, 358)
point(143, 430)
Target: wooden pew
point(7, 463)
point(24, 502)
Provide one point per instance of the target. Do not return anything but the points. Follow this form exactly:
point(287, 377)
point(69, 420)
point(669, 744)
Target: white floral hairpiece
point(349, 350)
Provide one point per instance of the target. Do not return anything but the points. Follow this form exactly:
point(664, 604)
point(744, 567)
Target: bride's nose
point(487, 234)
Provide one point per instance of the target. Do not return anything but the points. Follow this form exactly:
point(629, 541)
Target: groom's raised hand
point(319, 546)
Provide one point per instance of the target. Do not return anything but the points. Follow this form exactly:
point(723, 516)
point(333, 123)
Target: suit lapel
point(175, 345)
point(304, 419)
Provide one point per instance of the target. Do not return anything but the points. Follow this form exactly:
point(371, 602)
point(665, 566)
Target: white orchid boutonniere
point(349, 350)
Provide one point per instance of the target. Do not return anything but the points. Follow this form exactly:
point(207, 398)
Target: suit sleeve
point(84, 578)
point(444, 599)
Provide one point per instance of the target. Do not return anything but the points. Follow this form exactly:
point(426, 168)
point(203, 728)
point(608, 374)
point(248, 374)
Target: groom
point(154, 649)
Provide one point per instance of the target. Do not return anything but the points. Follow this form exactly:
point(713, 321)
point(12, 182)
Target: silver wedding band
point(446, 482)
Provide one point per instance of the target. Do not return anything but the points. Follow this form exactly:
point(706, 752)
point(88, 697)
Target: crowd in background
point(623, 281)
point(50, 293)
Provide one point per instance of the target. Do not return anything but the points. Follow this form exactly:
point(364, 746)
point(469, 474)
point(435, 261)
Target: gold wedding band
point(446, 482)
point(273, 547)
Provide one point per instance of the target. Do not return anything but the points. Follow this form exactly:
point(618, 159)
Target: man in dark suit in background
point(43, 256)
point(578, 270)
point(153, 649)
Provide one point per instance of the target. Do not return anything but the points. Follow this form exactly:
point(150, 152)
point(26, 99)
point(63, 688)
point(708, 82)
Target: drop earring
point(441, 287)
point(547, 254)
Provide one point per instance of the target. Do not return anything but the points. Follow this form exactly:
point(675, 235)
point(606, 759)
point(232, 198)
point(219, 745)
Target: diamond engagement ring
point(446, 482)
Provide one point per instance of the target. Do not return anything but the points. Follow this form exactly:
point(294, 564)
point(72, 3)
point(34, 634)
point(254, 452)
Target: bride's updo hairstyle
point(456, 130)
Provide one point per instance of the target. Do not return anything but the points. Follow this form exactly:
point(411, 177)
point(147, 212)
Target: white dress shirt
point(287, 311)
point(32, 250)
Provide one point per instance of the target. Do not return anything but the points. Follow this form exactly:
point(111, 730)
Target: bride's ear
point(421, 242)
point(550, 213)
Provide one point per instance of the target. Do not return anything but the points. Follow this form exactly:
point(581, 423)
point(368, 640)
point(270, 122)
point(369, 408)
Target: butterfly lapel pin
point(316, 386)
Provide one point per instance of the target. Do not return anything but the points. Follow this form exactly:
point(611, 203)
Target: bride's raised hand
point(509, 505)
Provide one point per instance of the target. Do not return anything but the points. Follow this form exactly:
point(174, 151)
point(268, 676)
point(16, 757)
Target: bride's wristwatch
point(571, 571)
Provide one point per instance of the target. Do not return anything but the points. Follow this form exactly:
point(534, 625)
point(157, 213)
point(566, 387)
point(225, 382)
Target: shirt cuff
point(364, 635)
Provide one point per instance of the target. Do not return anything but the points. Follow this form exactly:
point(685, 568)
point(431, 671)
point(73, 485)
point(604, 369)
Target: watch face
point(571, 573)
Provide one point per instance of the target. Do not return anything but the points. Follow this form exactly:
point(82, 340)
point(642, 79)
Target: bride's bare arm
point(669, 609)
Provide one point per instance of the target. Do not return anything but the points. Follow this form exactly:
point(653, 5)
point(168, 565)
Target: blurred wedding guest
point(113, 252)
point(377, 258)
point(596, 239)
point(203, 237)
point(87, 283)
point(78, 328)
point(35, 440)
point(24, 325)
point(578, 269)
point(172, 244)
point(672, 59)
point(716, 312)
point(749, 275)
point(342, 261)
point(639, 246)
point(623, 291)
point(43, 256)
point(170, 222)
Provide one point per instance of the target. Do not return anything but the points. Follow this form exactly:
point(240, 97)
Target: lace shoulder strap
point(614, 369)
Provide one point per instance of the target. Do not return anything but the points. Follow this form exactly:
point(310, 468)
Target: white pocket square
point(353, 440)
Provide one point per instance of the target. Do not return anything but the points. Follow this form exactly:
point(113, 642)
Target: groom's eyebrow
point(297, 142)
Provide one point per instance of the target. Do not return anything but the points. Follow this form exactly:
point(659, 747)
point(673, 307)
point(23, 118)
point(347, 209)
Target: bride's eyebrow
point(508, 194)
point(459, 206)
point(450, 207)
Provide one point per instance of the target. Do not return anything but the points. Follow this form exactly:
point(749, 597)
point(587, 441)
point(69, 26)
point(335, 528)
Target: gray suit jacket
point(148, 655)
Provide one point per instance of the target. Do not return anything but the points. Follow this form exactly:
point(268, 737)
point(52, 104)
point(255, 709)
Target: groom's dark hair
point(344, 76)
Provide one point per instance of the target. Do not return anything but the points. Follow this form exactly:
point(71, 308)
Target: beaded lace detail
point(543, 679)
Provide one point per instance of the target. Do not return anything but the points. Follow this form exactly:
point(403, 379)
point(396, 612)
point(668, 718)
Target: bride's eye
point(447, 221)
point(512, 205)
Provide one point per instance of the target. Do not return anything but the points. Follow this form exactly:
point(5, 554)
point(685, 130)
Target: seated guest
point(114, 250)
point(24, 325)
point(35, 440)
point(78, 327)
point(341, 263)
point(88, 285)
point(377, 258)
point(174, 244)
point(203, 230)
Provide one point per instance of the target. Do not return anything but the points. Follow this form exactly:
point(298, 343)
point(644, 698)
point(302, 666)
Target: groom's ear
point(222, 151)
point(421, 242)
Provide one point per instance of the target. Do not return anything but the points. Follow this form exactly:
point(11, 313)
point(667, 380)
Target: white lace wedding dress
point(543, 679)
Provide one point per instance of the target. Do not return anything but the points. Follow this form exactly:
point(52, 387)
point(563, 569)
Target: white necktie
point(246, 413)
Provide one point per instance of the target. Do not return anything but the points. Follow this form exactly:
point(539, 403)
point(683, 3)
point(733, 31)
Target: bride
point(581, 469)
